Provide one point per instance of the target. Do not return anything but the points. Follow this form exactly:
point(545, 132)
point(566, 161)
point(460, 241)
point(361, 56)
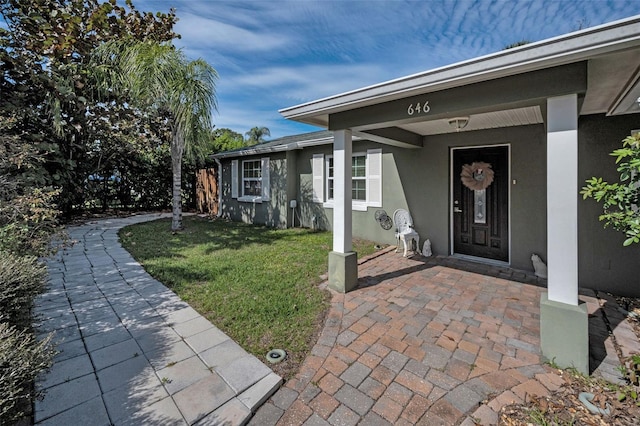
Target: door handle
point(457, 210)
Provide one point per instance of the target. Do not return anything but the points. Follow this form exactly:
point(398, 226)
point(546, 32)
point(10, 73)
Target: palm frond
point(161, 76)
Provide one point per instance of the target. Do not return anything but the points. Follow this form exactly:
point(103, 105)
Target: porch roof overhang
point(601, 64)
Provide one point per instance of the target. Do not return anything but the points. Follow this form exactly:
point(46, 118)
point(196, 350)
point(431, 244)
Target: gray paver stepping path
point(130, 351)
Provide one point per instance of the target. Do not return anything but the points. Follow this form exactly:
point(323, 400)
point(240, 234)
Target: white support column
point(342, 221)
point(343, 262)
point(564, 323)
point(562, 199)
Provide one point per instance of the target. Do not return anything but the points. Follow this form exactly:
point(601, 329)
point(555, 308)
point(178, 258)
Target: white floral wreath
point(477, 176)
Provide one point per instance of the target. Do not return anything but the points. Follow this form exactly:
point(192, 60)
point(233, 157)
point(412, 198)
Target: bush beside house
point(27, 223)
point(22, 356)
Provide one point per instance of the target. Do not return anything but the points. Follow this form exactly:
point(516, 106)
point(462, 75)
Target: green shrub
point(28, 219)
point(620, 200)
point(21, 280)
point(22, 358)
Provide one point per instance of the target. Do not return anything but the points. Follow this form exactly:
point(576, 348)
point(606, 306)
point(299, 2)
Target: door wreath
point(477, 176)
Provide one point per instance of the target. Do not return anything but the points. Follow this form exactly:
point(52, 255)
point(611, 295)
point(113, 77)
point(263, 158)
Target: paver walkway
point(424, 341)
point(131, 352)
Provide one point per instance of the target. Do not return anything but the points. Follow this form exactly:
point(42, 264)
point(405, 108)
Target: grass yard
point(259, 285)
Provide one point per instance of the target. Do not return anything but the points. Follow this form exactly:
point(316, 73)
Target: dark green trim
point(508, 92)
point(394, 136)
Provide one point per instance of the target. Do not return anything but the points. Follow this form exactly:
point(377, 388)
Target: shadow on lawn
point(214, 234)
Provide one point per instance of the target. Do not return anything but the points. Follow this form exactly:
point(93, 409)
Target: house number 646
point(419, 109)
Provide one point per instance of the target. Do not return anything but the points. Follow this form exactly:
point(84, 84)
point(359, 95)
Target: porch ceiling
point(489, 120)
point(613, 84)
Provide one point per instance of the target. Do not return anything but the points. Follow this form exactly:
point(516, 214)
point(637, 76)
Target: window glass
point(358, 166)
point(252, 178)
point(358, 175)
point(359, 190)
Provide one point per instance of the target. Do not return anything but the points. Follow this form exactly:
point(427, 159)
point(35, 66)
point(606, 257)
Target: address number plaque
point(419, 108)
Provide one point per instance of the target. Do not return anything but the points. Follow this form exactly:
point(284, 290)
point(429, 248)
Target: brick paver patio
point(433, 341)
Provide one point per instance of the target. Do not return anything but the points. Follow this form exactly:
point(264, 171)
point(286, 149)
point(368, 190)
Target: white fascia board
point(251, 151)
point(568, 48)
point(280, 148)
point(317, 142)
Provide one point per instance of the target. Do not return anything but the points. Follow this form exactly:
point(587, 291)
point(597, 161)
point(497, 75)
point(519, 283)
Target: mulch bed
point(563, 406)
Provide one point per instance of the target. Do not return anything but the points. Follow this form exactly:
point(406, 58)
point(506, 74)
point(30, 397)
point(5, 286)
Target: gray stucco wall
point(604, 263)
point(420, 180)
point(527, 195)
point(270, 213)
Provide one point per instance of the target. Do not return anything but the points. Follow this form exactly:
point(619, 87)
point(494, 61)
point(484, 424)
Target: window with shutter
point(317, 166)
point(366, 179)
point(234, 179)
point(255, 184)
point(266, 189)
point(374, 178)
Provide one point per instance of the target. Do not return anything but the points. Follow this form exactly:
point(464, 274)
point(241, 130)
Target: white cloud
point(200, 32)
point(275, 54)
point(237, 117)
point(303, 83)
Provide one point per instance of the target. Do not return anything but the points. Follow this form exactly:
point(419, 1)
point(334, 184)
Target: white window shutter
point(374, 177)
point(266, 183)
point(234, 178)
point(317, 171)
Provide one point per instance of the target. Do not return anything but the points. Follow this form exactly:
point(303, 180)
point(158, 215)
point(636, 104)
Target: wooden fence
point(207, 191)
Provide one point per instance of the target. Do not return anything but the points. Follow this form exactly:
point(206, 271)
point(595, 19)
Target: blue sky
point(276, 54)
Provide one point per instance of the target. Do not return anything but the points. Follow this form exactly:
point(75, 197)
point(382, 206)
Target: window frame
point(238, 180)
point(251, 179)
point(357, 204)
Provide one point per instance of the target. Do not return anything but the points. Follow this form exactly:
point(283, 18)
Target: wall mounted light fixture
point(459, 122)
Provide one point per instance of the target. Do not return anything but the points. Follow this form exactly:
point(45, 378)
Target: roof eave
point(250, 151)
point(568, 48)
point(280, 148)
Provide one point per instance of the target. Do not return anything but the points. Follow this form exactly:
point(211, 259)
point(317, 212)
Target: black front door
point(481, 217)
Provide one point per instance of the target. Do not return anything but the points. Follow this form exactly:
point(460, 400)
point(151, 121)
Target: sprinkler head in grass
point(275, 356)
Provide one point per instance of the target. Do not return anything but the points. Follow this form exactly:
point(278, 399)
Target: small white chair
point(404, 231)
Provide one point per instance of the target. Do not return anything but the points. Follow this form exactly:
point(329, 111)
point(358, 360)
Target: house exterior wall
point(271, 213)
point(419, 180)
point(604, 263)
point(527, 196)
point(291, 185)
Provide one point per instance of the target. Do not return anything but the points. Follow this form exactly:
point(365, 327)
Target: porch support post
point(343, 264)
point(564, 333)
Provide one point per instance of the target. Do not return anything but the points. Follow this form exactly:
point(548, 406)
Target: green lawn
point(258, 285)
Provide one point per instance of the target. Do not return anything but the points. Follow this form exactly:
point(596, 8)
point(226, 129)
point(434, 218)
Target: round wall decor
point(477, 175)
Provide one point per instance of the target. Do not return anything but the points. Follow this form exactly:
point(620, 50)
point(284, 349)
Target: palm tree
point(256, 135)
point(181, 91)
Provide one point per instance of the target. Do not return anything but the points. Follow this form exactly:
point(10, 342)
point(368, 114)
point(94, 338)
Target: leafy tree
point(620, 201)
point(48, 85)
point(28, 215)
point(516, 44)
point(182, 92)
point(256, 135)
point(227, 140)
